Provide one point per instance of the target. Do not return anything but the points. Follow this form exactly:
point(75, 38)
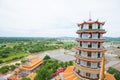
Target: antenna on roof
point(90, 16)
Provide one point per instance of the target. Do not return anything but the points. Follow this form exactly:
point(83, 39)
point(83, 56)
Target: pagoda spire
point(102, 75)
point(90, 16)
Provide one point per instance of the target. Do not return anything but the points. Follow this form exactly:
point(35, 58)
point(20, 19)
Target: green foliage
point(1, 61)
point(70, 63)
point(115, 72)
point(25, 78)
point(50, 66)
point(23, 61)
point(17, 48)
point(68, 45)
point(46, 57)
point(4, 69)
point(17, 64)
point(12, 67)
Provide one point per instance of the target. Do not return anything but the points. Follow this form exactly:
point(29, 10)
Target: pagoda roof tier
point(91, 31)
point(91, 49)
point(90, 40)
point(88, 70)
point(91, 22)
point(88, 59)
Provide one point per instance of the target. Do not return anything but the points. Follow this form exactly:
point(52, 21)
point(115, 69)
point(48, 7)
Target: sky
point(56, 18)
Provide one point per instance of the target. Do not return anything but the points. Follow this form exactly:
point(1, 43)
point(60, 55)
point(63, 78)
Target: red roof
point(91, 22)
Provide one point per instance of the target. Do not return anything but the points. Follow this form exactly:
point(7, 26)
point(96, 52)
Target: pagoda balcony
point(90, 40)
point(91, 49)
point(102, 31)
point(81, 77)
point(88, 70)
point(88, 59)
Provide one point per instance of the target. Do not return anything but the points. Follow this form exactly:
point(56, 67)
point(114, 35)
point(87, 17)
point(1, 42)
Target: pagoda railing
point(89, 70)
point(91, 29)
point(88, 58)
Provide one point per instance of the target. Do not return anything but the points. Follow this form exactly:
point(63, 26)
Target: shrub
point(23, 61)
point(12, 67)
point(4, 69)
point(1, 61)
point(25, 78)
point(47, 57)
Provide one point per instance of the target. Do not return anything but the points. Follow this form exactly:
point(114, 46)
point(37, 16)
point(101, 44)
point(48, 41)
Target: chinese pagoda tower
point(90, 50)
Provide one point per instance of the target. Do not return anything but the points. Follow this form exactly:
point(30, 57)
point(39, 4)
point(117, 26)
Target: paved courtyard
point(59, 55)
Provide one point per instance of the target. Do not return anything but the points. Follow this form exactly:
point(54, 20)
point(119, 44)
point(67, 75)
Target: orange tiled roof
point(17, 70)
point(69, 75)
point(14, 77)
point(33, 64)
point(109, 76)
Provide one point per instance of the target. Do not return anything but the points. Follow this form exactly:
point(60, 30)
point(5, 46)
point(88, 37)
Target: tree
point(4, 69)
point(43, 74)
point(12, 67)
point(1, 61)
point(70, 63)
point(23, 61)
point(17, 64)
point(117, 75)
point(46, 57)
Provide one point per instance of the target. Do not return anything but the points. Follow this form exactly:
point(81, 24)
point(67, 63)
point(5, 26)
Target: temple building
point(31, 64)
point(90, 55)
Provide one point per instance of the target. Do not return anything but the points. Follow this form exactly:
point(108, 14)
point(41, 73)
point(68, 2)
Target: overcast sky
point(56, 18)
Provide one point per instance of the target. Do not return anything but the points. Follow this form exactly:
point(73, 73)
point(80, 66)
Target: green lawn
point(13, 56)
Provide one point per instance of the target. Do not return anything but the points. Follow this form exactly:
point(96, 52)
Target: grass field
point(14, 56)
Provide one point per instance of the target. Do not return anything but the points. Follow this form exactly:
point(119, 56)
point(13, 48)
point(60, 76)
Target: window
point(90, 36)
point(98, 26)
point(99, 45)
point(80, 44)
point(99, 35)
point(80, 35)
point(79, 52)
point(89, 54)
point(90, 26)
point(81, 27)
point(97, 75)
point(88, 74)
point(89, 45)
point(98, 65)
point(89, 64)
point(98, 54)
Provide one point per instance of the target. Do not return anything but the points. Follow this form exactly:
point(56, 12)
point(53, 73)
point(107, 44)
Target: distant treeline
point(112, 39)
point(19, 39)
point(13, 39)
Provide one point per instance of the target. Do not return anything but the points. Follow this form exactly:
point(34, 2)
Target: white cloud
point(55, 17)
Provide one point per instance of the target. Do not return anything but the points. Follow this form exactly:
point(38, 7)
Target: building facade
point(90, 50)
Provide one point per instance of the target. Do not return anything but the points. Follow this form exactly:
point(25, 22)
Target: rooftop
point(68, 74)
point(91, 22)
point(32, 64)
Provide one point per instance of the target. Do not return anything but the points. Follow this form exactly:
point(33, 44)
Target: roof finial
point(90, 16)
